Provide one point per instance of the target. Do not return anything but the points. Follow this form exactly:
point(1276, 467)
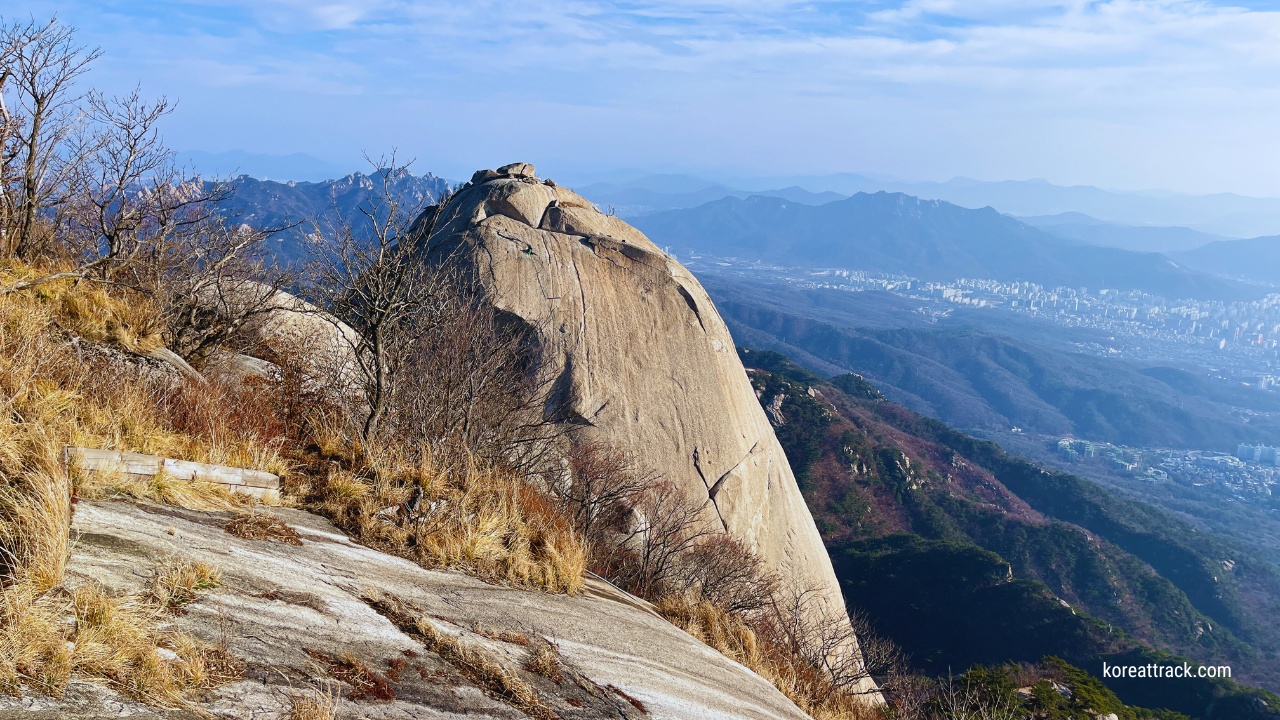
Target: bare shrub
point(600, 486)
point(667, 524)
point(823, 637)
point(384, 289)
point(722, 570)
point(751, 640)
point(471, 386)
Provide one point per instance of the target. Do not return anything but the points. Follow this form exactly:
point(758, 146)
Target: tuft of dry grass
point(505, 636)
point(735, 637)
point(178, 583)
point(544, 660)
point(35, 514)
point(125, 319)
point(254, 526)
point(315, 705)
point(486, 522)
point(364, 682)
point(486, 673)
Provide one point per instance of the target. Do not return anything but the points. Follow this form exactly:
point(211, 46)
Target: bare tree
point(41, 66)
point(93, 175)
point(962, 700)
point(385, 289)
point(824, 638)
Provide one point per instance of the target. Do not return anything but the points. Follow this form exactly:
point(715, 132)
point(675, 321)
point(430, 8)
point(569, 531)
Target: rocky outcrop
point(643, 359)
point(302, 616)
point(284, 328)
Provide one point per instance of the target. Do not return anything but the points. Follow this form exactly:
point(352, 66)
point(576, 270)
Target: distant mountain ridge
point(1083, 228)
point(993, 376)
point(1256, 259)
point(928, 239)
point(644, 199)
point(294, 205)
point(1225, 214)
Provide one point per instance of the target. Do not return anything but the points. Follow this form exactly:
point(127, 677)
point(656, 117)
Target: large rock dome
point(644, 360)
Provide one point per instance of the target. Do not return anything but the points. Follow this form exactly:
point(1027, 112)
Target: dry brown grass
point(315, 705)
point(735, 637)
point(178, 583)
point(255, 526)
point(127, 320)
point(48, 638)
point(486, 522)
point(53, 393)
point(365, 683)
point(35, 513)
point(505, 636)
point(485, 672)
point(544, 660)
point(159, 488)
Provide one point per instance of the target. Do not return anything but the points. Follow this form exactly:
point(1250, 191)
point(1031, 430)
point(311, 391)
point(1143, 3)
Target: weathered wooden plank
point(253, 482)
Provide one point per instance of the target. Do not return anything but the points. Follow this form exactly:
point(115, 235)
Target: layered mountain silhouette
point(1227, 214)
point(928, 239)
point(1086, 229)
point(1256, 259)
point(988, 372)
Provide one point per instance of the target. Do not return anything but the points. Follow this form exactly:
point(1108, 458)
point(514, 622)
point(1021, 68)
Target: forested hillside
point(965, 554)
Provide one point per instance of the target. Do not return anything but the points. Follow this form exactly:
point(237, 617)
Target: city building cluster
point(1254, 471)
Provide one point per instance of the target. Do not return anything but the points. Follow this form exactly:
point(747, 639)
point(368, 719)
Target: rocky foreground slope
point(332, 617)
point(642, 358)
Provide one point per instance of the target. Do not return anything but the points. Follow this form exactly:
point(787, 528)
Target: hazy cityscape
point(1240, 341)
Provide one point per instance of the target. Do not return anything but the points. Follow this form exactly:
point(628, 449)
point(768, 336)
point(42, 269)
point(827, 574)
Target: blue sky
point(1121, 93)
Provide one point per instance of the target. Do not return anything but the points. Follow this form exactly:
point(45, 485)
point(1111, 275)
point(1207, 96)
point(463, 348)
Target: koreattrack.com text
point(1152, 670)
